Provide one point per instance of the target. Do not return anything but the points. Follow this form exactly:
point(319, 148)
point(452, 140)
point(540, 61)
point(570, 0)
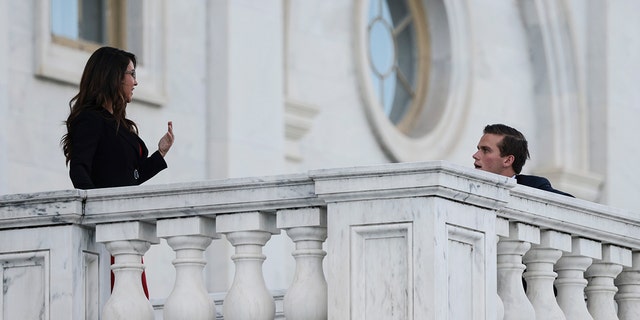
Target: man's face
point(488, 157)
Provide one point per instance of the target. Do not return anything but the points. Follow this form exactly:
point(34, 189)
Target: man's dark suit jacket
point(538, 183)
point(104, 156)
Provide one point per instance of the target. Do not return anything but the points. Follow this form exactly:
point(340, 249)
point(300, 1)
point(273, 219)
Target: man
point(503, 150)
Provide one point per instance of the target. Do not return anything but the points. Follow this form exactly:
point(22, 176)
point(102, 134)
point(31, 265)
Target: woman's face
point(129, 81)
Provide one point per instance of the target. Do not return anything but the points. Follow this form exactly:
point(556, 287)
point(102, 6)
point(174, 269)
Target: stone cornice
point(39, 209)
point(573, 216)
point(434, 178)
point(265, 194)
point(318, 188)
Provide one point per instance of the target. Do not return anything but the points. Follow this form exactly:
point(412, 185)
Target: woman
point(101, 146)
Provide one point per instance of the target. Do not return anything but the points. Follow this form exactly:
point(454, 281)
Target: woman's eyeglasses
point(132, 72)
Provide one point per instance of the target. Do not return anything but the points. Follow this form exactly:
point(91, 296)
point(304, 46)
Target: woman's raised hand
point(166, 141)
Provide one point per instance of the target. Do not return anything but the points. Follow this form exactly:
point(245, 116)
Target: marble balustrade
point(425, 240)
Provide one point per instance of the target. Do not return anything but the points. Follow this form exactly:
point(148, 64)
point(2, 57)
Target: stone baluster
point(502, 230)
point(248, 232)
point(540, 276)
point(510, 267)
point(306, 298)
point(600, 275)
point(570, 282)
point(628, 296)
point(127, 242)
point(189, 238)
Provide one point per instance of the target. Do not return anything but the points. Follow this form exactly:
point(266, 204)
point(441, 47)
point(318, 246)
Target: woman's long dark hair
point(101, 86)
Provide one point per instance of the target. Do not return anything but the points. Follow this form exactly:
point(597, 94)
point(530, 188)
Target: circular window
point(414, 85)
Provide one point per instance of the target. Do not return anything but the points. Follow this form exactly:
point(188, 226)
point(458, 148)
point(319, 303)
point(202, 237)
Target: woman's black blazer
point(104, 156)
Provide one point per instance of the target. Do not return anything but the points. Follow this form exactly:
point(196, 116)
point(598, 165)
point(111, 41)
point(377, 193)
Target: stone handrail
point(425, 240)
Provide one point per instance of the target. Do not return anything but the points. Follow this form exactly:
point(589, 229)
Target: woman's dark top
point(104, 156)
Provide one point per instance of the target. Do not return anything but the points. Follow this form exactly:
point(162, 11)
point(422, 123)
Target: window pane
point(398, 10)
point(92, 21)
point(401, 102)
point(407, 57)
point(393, 56)
point(134, 24)
point(116, 23)
point(64, 18)
point(79, 20)
point(382, 48)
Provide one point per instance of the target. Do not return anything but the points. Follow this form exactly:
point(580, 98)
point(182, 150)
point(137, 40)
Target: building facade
point(258, 88)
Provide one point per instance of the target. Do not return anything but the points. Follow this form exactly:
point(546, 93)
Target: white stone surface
point(586, 247)
point(413, 240)
point(127, 297)
point(623, 99)
point(601, 289)
point(191, 226)
point(306, 298)
point(555, 240)
point(248, 297)
point(403, 252)
point(246, 52)
point(189, 238)
point(226, 113)
point(225, 82)
point(540, 277)
point(628, 295)
point(189, 298)
point(305, 217)
point(570, 284)
point(53, 272)
point(133, 230)
point(523, 232)
point(4, 96)
point(509, 278)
